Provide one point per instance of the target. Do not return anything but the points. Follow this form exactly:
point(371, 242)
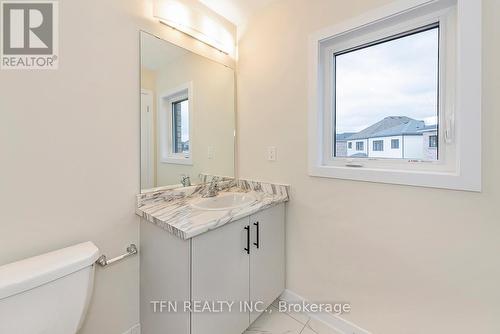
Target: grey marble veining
point(171, 209)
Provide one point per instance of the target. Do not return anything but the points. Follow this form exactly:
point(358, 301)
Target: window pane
point(378, 145)
point(433, 141)
point(389, 91)
point(395, 144)
point(180, 122)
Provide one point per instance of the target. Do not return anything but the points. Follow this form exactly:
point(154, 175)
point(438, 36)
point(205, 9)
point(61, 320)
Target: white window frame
point(165, 126)
point(459, 164)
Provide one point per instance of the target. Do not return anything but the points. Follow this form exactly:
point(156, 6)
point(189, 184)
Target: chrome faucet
point(213, 188)
point(185, 180)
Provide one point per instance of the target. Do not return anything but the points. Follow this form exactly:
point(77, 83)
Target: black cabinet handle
point(258, 238)
point(247, 249)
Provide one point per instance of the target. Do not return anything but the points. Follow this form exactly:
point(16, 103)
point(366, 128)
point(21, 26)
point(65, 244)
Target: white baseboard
point(329, 319)
point(136, 329)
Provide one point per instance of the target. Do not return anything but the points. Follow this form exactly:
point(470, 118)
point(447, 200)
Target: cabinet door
point(267, 256)
point(165, 274)
point(220, 272)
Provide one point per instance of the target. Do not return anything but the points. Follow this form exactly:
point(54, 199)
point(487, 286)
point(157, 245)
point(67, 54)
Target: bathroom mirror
point(187, 115)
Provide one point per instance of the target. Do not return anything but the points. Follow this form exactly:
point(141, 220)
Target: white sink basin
point(224, 201)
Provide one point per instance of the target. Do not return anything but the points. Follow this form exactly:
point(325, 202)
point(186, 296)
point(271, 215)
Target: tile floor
point(274, 322)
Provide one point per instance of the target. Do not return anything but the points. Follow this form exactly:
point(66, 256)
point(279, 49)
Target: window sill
point(177, 160)
point(431, 179)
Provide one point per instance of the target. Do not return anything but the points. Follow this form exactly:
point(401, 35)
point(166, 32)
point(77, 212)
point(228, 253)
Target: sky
point(396, 78)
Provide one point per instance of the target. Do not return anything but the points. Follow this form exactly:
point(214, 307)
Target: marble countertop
point(171, 209)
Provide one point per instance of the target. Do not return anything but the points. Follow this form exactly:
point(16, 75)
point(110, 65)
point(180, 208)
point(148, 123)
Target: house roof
point(413, 127)
point(394, 126)
point(344, 136)
point(386, 123)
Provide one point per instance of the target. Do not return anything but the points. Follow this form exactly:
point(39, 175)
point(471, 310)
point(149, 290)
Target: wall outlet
point(271, 153)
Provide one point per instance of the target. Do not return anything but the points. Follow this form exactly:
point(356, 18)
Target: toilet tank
point(49, 293)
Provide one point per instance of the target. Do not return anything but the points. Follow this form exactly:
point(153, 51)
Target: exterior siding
point(340, 148)
point(413, 147)
point(410, 147)
point(352, 151)
point(429, 153)
point(388, 152)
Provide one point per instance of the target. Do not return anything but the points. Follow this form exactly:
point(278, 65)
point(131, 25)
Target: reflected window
point(180, 126)
point(174, 119)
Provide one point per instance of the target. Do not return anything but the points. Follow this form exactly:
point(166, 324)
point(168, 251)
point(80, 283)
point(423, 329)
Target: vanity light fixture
point(195, 24)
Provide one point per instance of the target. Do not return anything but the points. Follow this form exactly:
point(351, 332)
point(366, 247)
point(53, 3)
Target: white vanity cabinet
point(267, 256)
point(221, 272)
point(241, 261)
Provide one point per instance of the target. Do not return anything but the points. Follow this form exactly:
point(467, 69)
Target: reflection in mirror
point(187, 115)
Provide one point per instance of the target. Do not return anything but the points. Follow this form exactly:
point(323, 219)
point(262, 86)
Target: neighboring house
point(341, 144)
point(395, 137)
point(430, 143)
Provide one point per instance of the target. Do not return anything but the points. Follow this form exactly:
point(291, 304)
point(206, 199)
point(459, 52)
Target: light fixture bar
point(198, 35)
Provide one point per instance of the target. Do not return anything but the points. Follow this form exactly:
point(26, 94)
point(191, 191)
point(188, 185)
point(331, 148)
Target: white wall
point(69, 143)
point(413, 147)
point(425, 262)
point(353, 150)
point(388, 152)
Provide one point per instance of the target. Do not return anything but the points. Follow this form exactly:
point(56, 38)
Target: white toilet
point(49, 293)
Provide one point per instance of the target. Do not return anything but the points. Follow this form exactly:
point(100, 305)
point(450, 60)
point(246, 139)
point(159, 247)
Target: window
point(404, 69)
point(349, 145)
point(393, 73)
point(395, 144)
point(174, 126)
point(378, 145)
point(433, 141)
point(360, 146)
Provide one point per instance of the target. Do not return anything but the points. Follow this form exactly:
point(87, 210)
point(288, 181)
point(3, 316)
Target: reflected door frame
point(147, 140)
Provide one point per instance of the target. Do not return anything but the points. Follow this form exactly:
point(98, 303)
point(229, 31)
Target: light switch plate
point(271, 153)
